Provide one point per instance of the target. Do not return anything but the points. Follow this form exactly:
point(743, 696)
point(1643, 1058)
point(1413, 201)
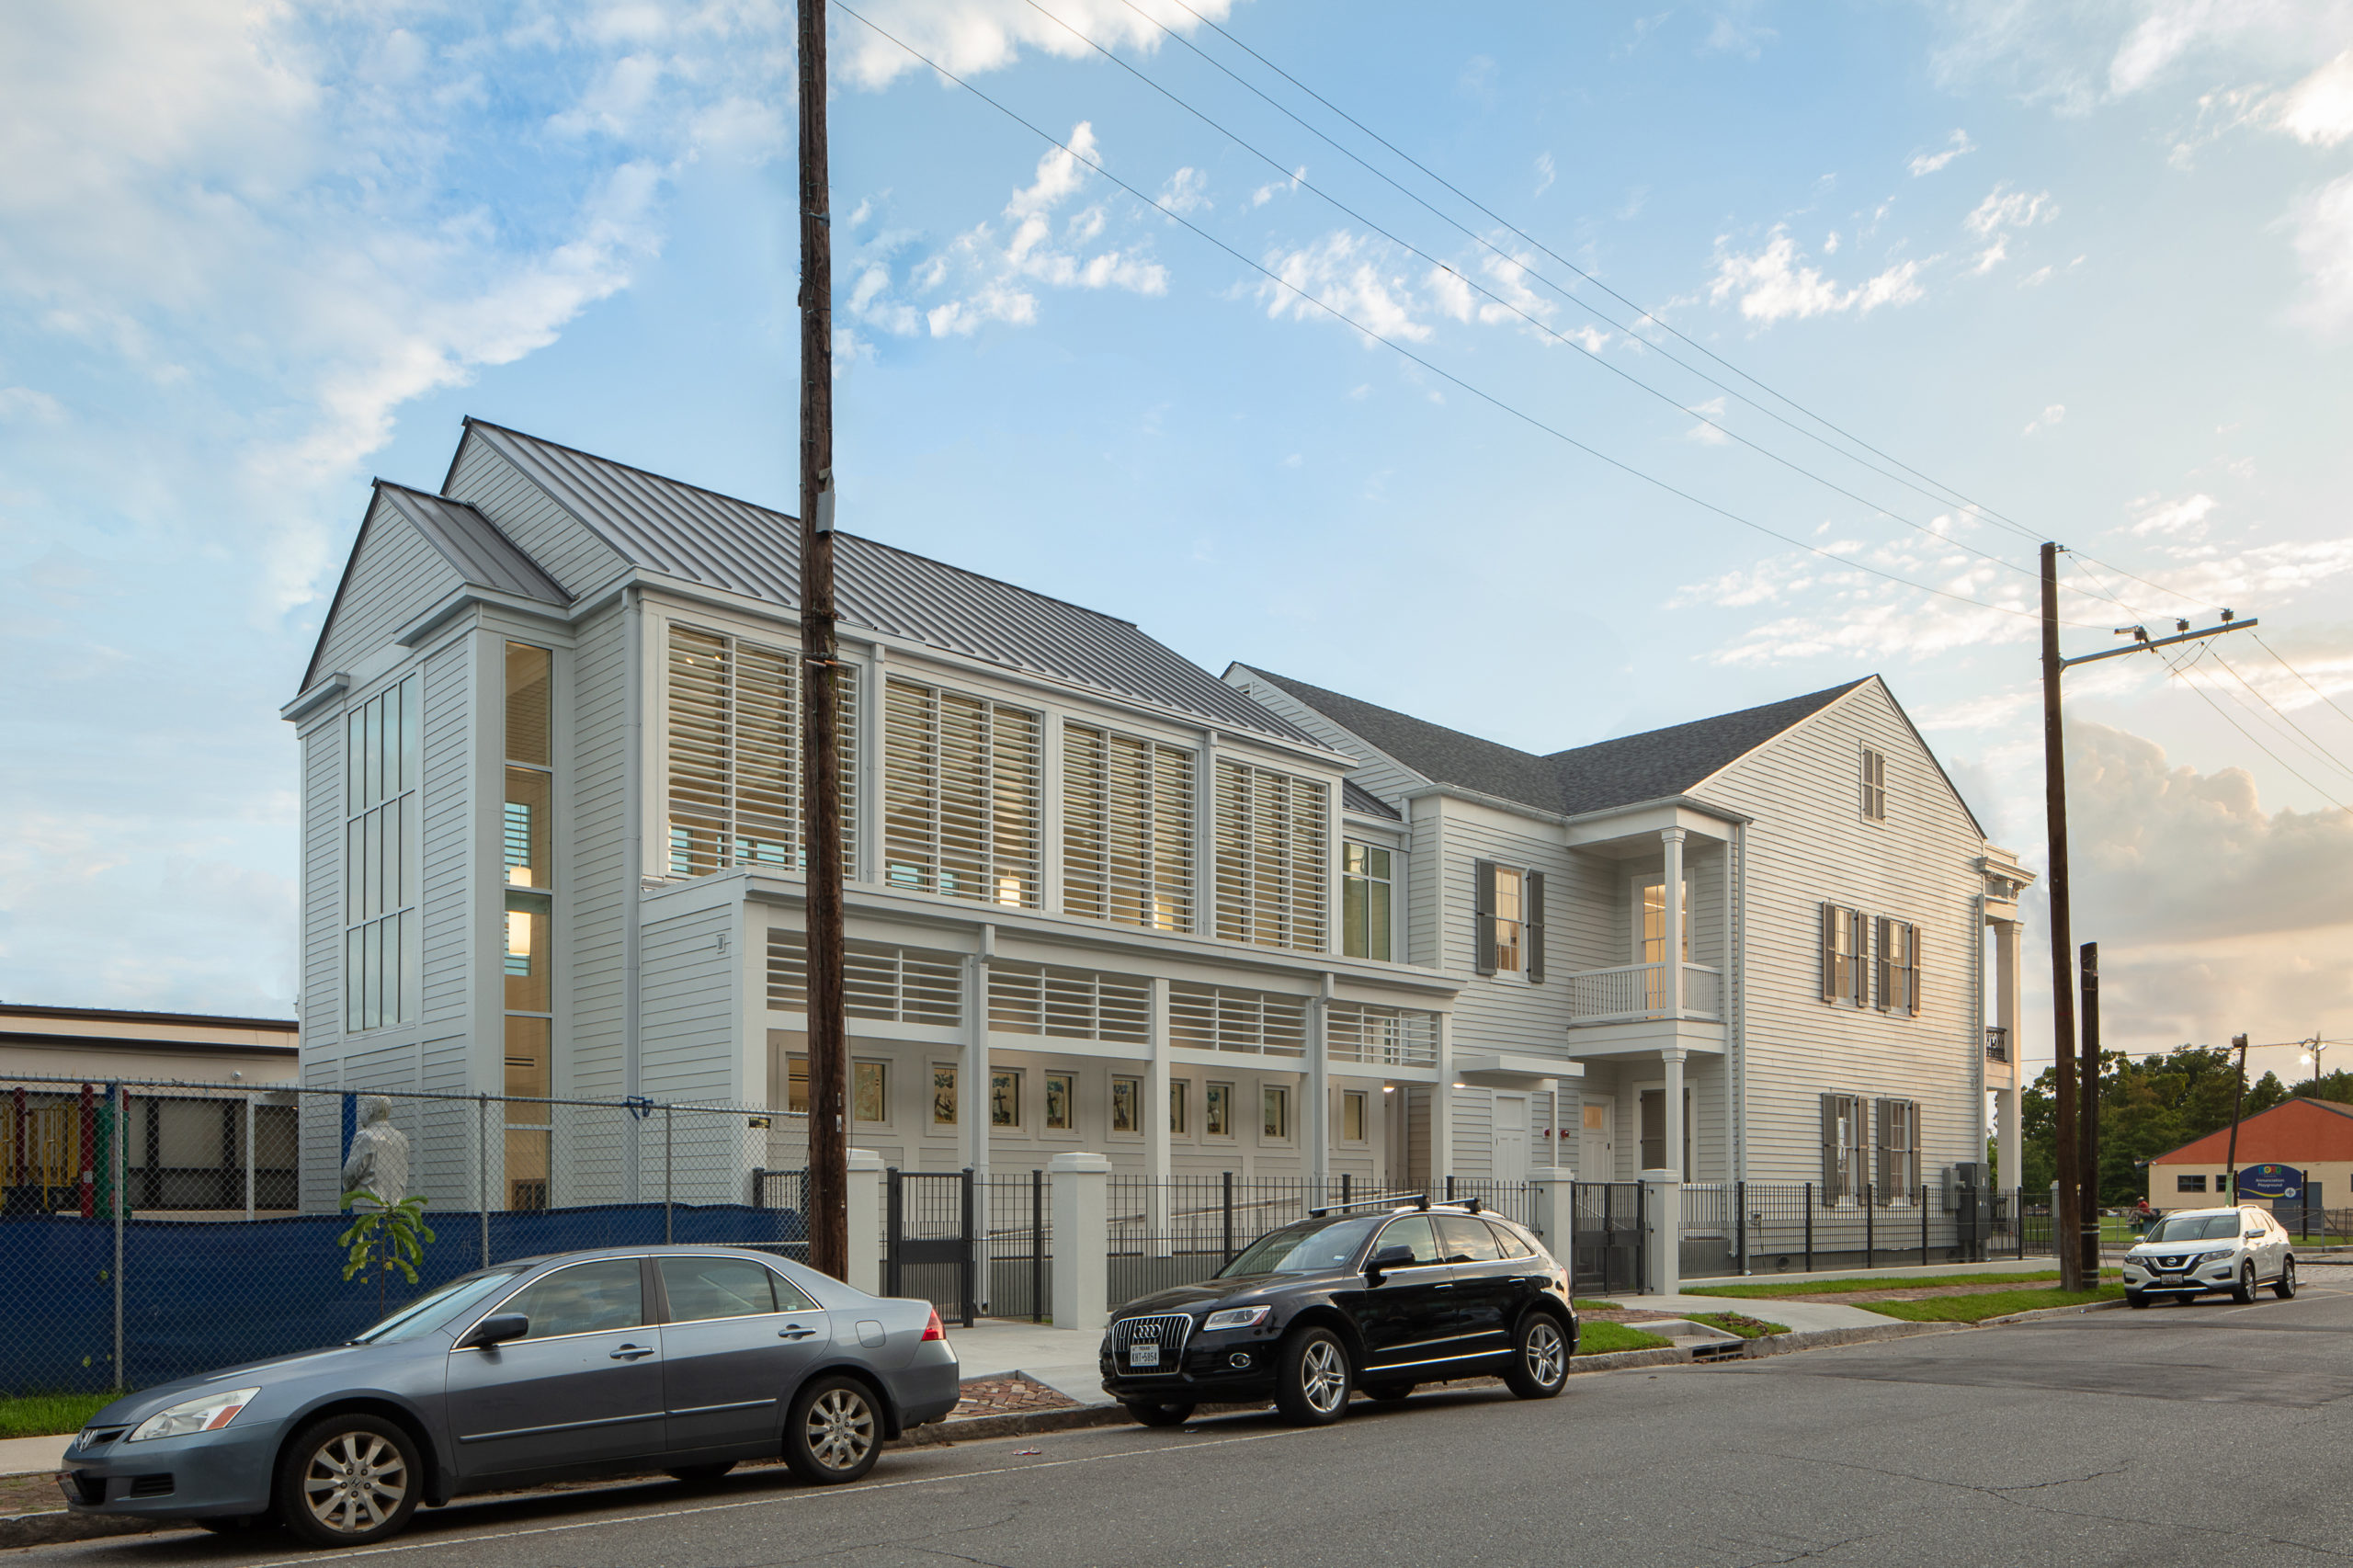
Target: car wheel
point(348, 1480)
point(1312, 1388)
point(1153, 1413)
point(1388, 1393)
point(2285, 1286)
point(700, 1474)
point(834, 1431)
point(2244, 1290)
point(2136, 1297)
point(1540, 1357)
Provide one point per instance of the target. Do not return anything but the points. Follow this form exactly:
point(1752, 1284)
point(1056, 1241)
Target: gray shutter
point(1877, 947)
point(1829, 1143)
point(1482, 916)
point(1533, 894)
point(1883, 1163)
point(1829, 952)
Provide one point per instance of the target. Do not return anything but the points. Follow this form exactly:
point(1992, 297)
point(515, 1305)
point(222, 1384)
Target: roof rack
point(1414, 1200)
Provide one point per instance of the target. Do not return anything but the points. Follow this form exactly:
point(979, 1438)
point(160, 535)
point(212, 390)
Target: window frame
point(1069, 1082)
point(1163, 848)
point(1488, 921)
point(1845, 975)
point(1275, 1107)
point(395, 981)
point(1270, 857)
point(915, 823)
point(1356, 920)
point(1896, 1151)
point(1873, 780)
point(1134, 1084)
point(1012, 1077)
point(954, 1077)
point(1217, 1111)
point(1361, 1101)
point(723, 811)
point(1847, 1162)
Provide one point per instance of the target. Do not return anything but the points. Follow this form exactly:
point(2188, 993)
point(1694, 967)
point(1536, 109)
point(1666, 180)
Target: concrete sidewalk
point(1063, 1359)
point(25, 1456)
point(1803, 1317)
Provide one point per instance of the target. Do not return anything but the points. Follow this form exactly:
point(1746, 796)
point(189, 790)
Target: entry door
point(1655, 1130)
point(1510, 1162)
point(585, 1386)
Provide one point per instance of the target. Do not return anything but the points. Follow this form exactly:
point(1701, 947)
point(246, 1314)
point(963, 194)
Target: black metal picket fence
point(1751, 1227)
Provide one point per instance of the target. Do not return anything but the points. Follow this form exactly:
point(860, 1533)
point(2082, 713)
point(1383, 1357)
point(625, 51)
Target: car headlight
point(2221, 1256)
point(207, 1413)
point(1236, 1317)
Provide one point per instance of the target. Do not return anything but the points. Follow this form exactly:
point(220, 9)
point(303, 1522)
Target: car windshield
point(434, 1308)
point(1308, 1246)
point(2196, 1228)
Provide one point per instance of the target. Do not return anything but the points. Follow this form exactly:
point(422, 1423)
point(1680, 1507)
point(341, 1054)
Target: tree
point(385, 1238)
point(2146, 1106)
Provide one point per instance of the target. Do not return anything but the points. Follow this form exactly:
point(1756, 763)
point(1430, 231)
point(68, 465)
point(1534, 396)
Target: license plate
point(67, 1484)
point(1143, 1356)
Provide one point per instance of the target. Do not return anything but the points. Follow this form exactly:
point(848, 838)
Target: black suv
point(1311, 1310)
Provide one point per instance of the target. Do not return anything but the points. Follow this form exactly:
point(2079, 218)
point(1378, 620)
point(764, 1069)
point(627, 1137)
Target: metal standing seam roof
point(1646, 766)
point(682, 530)
point(473, 544)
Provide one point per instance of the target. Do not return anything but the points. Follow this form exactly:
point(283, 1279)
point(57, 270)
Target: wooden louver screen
point(961, 796)
point(1273, 834)
point(1127, 830)
point(734, 754)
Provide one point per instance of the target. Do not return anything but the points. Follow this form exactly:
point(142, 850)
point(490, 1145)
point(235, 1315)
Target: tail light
point(934, 1329)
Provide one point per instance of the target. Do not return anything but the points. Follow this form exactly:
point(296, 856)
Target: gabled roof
point(1355, 797)
point(2294, 1132)
point(719, 541)
point(1647, 766)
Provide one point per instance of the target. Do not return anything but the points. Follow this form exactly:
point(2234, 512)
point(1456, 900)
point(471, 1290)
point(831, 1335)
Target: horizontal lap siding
point(1808, 843)
point(598, 873)
point(322, 890)
point(563, 547)
point(395, 575)
point(449, 832)
point(1390, 780)
point(687, 1029)
point(1503, 1012)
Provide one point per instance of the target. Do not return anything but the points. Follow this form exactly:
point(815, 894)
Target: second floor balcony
point(1632, 991)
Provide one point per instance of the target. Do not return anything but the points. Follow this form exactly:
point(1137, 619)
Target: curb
point(51, 1528)
point(2047, 1312)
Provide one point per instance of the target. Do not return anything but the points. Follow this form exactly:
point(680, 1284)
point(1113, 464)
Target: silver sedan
point(682, 1358)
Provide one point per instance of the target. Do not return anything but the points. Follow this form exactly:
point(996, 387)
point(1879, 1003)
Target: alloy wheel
point(1546, 1353)
point(355, 1481)
point(840, 1428)
point(1323, 1376)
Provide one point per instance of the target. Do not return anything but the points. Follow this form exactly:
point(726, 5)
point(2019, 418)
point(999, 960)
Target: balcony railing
point(1997, 1043)
point(1636, 991)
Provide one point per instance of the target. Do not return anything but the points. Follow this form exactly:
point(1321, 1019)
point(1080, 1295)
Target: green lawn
point(1601, 1338)
point(1740, 1323)
point(1767, 1289)
point(49, 1415)
point(1989, 1304)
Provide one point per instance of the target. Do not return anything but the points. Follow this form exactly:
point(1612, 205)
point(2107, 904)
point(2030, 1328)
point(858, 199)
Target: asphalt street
point(2205, 1433)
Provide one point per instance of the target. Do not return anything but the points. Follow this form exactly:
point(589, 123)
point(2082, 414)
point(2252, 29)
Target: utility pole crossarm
point(2249, 624)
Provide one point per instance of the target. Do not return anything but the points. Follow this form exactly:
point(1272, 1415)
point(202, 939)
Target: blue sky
point(2091, 265)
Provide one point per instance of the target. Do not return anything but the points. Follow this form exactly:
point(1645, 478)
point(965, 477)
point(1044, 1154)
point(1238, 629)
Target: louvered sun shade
point(1273, 836)
point(1127, 830)
point(961, 796)
point(734, 754)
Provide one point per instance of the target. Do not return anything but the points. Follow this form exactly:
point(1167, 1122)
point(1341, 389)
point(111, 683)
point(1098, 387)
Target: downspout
point(1737, 995)
point(633, 840)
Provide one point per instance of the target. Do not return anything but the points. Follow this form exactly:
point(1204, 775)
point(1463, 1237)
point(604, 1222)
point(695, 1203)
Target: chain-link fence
point(155, 1229)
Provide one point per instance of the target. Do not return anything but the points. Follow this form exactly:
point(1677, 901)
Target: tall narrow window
point(381, 943)
point(960, 796)
point(1874, 785)
point(1127, 830)
point(1843, 1142)
point(526, 955)
point(1843, 965)
point(1507, 920)
point(1896, 966)
point(734, 732)
point(1364, 901)
point(1899, 1149)
point(1273, 832)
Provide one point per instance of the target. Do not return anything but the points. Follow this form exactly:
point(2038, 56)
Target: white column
point(1663, 1209)
point(1082, 1225)
point(972, 1074)
point(1671, 1059)
point(1556, 1213)
point(1442, 1108)
point(1154, 1114)
point(2007, 1145)
point(1672, 839)
point(1316, 1147)
point(865, 1221)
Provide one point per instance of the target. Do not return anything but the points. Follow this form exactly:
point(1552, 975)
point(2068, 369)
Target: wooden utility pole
point(2067, 1210)
point(2238, 1100)
point(2077, 1141)
point(2087, 1108)
point(828, 1209)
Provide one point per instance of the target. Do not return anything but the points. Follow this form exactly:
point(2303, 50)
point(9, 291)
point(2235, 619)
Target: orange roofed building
point(2314, 1137)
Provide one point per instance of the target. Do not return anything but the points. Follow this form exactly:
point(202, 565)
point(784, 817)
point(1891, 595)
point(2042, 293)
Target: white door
point(1511, 1138)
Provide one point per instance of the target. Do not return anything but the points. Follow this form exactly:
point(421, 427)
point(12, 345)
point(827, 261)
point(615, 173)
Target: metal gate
point(927, 1240)
point(1606, 1236)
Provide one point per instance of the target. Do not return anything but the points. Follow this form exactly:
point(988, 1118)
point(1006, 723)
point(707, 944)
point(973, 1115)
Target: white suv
point(2192, 1252)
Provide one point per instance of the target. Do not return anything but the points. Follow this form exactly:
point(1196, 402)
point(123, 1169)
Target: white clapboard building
point(1098, 898)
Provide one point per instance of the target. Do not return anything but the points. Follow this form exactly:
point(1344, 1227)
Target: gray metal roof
point(1355, 797)
point(685, 531)
point(484, 556)
point(1646, 766)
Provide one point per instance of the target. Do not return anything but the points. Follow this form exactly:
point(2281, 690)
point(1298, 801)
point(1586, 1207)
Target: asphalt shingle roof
point(685, 531)
point(1620, 772)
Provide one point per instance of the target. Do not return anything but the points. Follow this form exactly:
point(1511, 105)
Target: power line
point(1540, 325)
point(2309, 745)
point(1434, 369)
point(2299, 675)
point(2183, 669)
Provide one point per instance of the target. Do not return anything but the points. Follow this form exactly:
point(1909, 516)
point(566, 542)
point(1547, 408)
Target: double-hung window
point(1365, 890)
point(1845, 1145)
point(381, 941)
point(1899, 1150)
point(961, 796)
point(1507, 921)
point(1896, 966)
point(1127, 830)
point(1874, 785)
point(1843, 956)
point(732, 736)
point(1273, 857)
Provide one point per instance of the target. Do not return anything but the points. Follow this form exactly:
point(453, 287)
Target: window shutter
point(1829, 1142)
point(1884, 1167)
point(1534, 896)
point(1482, 916)
point(1829, 955)
point(1912, 964)
point(1881, 928)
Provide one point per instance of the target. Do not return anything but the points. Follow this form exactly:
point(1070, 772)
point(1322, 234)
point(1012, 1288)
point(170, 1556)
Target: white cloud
point(2012, 209)
point(1185, 191)
point(1929, 163)
point(2318, 110)
point(1351, 274)
point(1273, 188)
point(1709, 432)
point(2185, 518)
point(1775, 284)
point(968, 37)
point(2046, 419)
point(2324, 238)
point(1546, 173)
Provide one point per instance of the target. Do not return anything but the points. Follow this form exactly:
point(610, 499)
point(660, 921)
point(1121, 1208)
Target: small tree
point(383, 1238)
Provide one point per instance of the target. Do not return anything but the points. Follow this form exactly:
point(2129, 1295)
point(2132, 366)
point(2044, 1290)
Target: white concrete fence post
point(865, 1221)
point(1556, 1214)
point(1663, 1248)
point(1082, 1185)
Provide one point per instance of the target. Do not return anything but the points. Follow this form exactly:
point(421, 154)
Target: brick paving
point(1007, 1396)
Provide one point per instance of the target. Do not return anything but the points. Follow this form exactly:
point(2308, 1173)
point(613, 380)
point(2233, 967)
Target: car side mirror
point(496, 1329)
point(1387, 1259)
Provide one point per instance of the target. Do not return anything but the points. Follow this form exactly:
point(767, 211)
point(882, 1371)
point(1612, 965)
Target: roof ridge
point(1290, 681)
point(1827, 695)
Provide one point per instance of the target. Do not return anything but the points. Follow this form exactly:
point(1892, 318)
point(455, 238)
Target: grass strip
point(1991, 1305)
point(1740, 1323)
point(1601, 1338)
point(49, 1415)
point(1768, 1289)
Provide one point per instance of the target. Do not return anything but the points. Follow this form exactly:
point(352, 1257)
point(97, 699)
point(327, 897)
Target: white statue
point(379, 1158)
